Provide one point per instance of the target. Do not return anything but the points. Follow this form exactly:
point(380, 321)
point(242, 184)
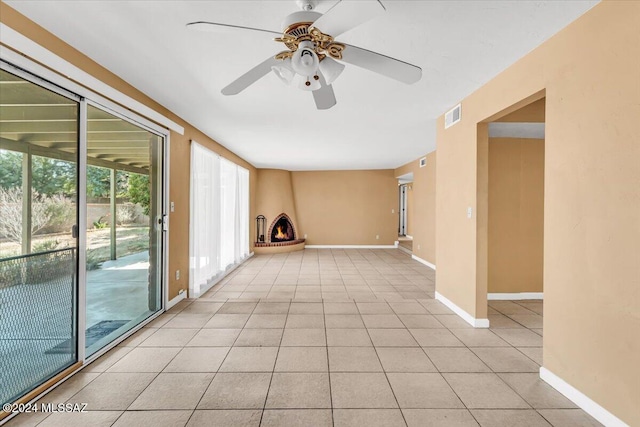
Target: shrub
point(100, 223)
point(127, 213)
point(94, 260)
point(62, 213)
point(45, 246)
point(11, 213)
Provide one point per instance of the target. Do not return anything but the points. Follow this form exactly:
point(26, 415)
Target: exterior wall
point(589, 75)
point(516, 215)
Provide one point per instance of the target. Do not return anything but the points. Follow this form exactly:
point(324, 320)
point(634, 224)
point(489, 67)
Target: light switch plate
point(469, 212)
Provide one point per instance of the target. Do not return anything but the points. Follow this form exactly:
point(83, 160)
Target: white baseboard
point(476, 323)
point(514, 296)
point(405, 250)
point(580, 399)
point(181, 295)
point(425, 262)
point(350, 246)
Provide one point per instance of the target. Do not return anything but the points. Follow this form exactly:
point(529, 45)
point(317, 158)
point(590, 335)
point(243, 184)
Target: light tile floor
point(322, 338)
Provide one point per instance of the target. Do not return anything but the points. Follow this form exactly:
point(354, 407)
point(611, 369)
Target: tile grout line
point(215, 374)
point(326, 343)
point(169, 362)
point(342, 260)
point(275, 361)
point(383, 370)
point(157, 374)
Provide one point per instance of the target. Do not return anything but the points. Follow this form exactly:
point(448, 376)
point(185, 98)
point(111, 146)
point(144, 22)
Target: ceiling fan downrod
point(307, 5)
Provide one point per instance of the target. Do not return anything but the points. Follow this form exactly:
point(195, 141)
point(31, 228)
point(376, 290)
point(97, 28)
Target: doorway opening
point(405, 193)
point(515, 162)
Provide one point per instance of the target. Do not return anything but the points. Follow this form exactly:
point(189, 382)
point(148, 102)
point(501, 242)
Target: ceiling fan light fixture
point(330, 69)
point(284, 71)
point(305, 60)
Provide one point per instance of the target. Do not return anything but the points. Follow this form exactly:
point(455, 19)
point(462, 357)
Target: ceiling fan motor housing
point(290, 22)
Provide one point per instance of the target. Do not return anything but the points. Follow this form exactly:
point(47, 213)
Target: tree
point(48, 176)
point(139, 191)
point(10, 169)
point(98, 182)
point(52, 176)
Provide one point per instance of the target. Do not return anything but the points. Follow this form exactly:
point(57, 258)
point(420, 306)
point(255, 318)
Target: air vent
point(423, 162)
point(452, 116)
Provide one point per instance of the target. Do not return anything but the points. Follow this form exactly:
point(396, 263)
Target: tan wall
point(410, 207)
point(589, 75)
point(179, 151)
point(516, 215)
point(423, 193)
point(275, 196)
point(347, 207)
point(531, 113)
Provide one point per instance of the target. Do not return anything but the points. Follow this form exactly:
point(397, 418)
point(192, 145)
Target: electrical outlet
point(393, 211)
point(177, 274)
point(305, 236)
point(418, 247)
point(377, 237)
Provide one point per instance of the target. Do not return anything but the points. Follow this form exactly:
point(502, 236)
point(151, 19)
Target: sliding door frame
point(121, 113)
point(23, 67)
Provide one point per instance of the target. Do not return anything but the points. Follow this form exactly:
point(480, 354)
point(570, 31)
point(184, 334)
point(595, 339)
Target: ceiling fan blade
point(216, 27)
point(324, 97)
point(250, 77)
point(347, 14)
point(382, 64)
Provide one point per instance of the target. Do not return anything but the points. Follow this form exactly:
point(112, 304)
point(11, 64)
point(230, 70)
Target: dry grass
point(129, 240)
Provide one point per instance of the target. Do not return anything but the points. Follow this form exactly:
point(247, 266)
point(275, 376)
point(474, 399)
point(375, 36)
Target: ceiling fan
point(314, 59)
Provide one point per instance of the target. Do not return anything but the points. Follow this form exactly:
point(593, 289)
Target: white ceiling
point(516, 130)
point(378, 123)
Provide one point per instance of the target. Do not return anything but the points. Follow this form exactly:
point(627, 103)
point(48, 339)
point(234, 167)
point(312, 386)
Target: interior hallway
point(322, 338)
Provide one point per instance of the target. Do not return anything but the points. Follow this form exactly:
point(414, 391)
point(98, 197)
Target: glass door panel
point(38, 250)
point(124, 230)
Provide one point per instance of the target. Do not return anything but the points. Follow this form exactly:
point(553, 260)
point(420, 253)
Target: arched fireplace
point(280, 237)
point(281, 229)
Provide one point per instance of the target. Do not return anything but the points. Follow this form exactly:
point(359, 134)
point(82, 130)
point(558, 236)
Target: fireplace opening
point(282, 230)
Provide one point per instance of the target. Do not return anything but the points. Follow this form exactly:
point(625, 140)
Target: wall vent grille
point(452, 116)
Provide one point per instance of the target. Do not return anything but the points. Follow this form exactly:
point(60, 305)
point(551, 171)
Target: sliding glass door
point(38, 233)
point(124, 226)
point(81, 236)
